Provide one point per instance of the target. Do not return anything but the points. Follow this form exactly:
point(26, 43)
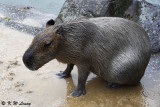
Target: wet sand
point(43, 88)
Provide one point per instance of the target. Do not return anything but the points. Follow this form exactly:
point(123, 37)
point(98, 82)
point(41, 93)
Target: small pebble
point(1, 62)
point(26, 8)
point(29, 92)
point(10, 78)
point(19, 89)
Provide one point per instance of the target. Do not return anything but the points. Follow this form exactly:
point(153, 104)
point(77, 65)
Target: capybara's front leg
point(83, 72)
point(67, 71)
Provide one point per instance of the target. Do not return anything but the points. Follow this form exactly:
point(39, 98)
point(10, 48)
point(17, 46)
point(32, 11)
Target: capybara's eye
point(48, 43)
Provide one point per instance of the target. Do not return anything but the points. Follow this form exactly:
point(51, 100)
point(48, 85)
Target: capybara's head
point(43, 47)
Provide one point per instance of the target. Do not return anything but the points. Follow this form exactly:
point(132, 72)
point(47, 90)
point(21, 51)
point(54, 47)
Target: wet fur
point(115, 49)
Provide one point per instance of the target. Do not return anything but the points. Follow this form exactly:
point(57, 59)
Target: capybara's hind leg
point(67, 72)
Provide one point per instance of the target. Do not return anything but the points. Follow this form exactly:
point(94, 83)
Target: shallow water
point(50, 6)
point(154, 1)
point(43, 88)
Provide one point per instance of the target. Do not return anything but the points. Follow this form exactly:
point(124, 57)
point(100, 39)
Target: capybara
point(115, 49)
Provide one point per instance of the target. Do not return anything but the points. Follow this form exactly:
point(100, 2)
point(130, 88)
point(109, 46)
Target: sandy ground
point(43, 88)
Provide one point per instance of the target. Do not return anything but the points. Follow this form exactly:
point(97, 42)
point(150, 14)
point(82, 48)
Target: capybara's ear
point(59, 30)
point(50, 23)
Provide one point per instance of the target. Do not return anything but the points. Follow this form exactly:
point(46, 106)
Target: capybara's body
point(118, 50)
point(115, 49)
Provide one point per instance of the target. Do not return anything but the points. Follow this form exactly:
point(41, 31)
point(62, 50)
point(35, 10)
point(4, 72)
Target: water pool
point(50, 6)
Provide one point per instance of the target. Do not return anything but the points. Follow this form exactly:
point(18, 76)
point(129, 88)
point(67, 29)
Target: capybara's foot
point(113, 85)
point(67, 72)
point(62, 74)
point(78, 92)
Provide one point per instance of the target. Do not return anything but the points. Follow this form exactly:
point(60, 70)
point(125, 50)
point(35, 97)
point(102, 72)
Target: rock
point(149, 19)
point(22, 27)
point(92, 8)
point(145, 14)
point(26, 8)
point(132, 11)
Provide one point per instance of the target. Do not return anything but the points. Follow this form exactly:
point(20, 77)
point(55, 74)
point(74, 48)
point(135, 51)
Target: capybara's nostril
point(28, 60)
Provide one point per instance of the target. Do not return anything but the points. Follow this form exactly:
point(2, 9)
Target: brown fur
point(115, 49)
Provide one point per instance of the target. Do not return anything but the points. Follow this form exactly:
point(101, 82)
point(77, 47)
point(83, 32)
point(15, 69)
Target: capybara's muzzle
point(28, 60)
